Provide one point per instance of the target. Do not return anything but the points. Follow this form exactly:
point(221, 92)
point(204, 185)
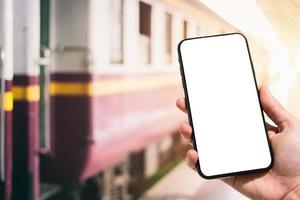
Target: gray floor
point(184, 184)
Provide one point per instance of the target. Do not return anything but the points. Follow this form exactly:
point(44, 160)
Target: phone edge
point(190, 115)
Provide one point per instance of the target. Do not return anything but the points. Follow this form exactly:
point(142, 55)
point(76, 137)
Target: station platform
point(184, 184)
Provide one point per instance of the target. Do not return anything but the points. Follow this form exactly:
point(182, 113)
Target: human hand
point(283, 180)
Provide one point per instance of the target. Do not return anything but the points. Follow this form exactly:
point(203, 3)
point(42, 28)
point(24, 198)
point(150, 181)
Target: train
point(6, 98)
point(88, 92)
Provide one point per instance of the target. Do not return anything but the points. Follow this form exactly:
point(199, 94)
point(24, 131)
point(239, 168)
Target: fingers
point(180, 103)
point(186, 132)
point(271, 130)
point(185, 129)
point(273, 108)
point(191, 158)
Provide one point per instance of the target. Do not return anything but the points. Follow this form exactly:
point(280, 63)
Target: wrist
point(294, 194)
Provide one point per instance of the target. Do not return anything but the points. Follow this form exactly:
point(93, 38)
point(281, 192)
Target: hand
point(283, 180)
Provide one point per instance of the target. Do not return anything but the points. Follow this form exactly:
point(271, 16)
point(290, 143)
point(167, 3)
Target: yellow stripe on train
point(111, 87)
point(28, 93)
point(8, 101)
point(95, 88)
point(70, 89)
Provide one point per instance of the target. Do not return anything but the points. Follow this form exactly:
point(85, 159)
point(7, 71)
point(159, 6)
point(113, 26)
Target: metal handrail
point(2, 118)
point(45, 62)
point(62, 49)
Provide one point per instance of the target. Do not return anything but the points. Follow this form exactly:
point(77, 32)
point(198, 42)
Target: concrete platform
point(184, 184)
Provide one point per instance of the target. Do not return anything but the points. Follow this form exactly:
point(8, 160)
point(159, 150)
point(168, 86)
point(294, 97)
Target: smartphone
point(224, 109)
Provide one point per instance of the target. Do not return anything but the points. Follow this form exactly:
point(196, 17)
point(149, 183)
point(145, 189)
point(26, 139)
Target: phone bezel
point(191, 120)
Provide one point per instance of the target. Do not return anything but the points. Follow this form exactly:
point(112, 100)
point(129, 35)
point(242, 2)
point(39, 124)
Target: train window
point(168, 37)
point(117, 32)
point(145, 32)
point(185, 29)
point(69, 34)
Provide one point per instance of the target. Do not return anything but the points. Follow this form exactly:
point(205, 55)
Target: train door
point(48, 190)
point(26, 99)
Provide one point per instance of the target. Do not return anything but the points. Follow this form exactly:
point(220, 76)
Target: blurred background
point(88, 91)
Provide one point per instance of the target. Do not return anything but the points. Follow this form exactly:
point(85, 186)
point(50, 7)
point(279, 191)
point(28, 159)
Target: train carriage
point(99, 92)
point(94, 87)
point(6, 100)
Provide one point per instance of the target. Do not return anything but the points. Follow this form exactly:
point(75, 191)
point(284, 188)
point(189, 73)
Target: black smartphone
point(224, 109)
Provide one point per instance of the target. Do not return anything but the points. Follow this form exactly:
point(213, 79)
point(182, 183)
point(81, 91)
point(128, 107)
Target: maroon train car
point(6, 98)
point(103, 124)
point(105, 102)
point(95, 82)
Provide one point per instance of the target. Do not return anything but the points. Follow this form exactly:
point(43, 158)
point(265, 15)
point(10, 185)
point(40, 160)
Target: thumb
point(272, 107)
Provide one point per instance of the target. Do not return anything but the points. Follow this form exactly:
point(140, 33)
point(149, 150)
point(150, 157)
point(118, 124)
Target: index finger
point(180, 103)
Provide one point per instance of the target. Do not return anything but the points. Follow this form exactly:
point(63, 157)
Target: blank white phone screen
point(226, 115)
